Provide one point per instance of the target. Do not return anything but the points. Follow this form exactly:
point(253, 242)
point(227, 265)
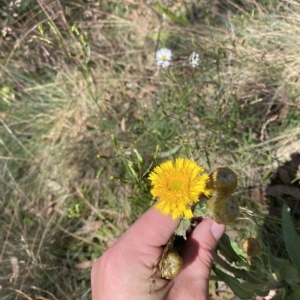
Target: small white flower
point(6, 31)
point(194, 59)
point(163, 57)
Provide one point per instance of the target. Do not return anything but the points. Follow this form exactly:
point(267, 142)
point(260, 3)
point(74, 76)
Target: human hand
point(123, 271)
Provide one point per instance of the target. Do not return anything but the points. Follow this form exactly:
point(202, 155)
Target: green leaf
point(283, 269)
point(41, 29)
point(177, 19)
point(291, 238)
point(225, 246)
point(99, 172)
point(293, 294)
point(53, 28)
point(157, 148)
point(169, 152)
point(183, 227)
point(43, 39)
point(139, 158)
point(200, 208)
point(162, 36)
point(242, 289)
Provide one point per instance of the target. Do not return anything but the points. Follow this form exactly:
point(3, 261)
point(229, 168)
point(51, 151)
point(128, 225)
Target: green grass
point(80, 92)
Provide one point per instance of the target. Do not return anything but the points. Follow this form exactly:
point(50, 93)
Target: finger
point(151, 229)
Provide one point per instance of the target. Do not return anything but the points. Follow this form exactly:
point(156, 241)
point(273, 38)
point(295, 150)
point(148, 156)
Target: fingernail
point(217, 230)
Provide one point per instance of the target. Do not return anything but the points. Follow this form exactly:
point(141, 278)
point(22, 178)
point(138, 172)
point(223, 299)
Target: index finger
point(151, 229)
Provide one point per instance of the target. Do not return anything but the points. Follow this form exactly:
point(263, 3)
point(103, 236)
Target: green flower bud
point(171, 265)
point(223, 181)
point(224, 210)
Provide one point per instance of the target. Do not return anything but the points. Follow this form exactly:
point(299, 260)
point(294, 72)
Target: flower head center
point(164, 57)
point(176, 185)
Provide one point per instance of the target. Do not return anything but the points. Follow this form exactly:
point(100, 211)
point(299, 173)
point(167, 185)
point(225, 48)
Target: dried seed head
point(251, 246)
point(223, 210)
point(171, 265)
point(223, 181)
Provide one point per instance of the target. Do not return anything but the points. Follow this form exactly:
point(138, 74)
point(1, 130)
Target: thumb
point(199, 249)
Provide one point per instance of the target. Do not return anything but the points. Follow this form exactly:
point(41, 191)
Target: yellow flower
point(177, 185)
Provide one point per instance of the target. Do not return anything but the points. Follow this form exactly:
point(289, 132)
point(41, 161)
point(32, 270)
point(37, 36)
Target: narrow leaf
point(291, 238)
point(226, 249)
point(163, 10)
point(242, 289)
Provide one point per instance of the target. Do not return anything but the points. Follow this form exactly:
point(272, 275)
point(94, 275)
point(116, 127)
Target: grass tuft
point(85, 115)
